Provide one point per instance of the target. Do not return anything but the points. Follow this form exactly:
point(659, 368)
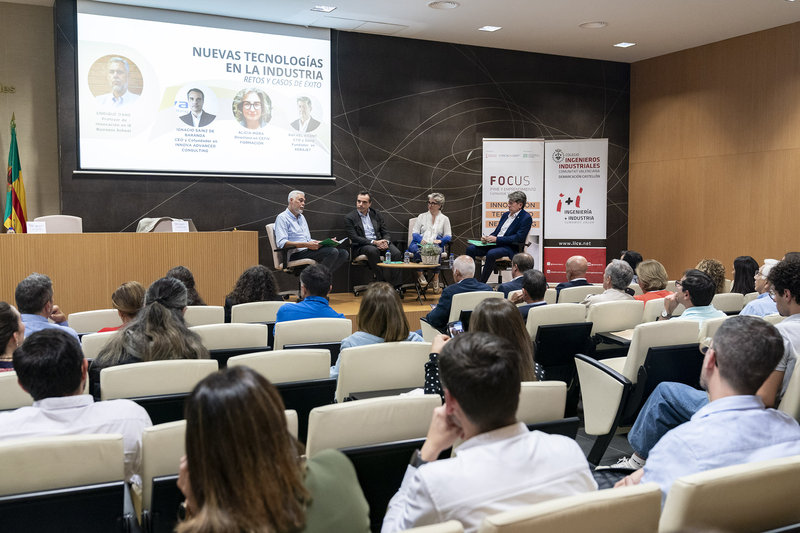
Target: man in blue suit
point(512, 229)
point(520, 264)
point(463, 272)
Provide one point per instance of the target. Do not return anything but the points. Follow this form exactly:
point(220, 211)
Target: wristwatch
point(416, 459)
point(665, 315)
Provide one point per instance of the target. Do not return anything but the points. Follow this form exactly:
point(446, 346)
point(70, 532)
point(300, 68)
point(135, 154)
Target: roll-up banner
point(576, 176)
point(513, 165)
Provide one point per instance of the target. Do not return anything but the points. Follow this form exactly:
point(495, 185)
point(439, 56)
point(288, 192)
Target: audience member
point(500, 465)
point(695, 290)
point(12, 332)
point(463, 272)
point(734, 427)
point(380, 319)
point(633, 259)
point(34, 296)
point(369, 236)
point(534, 287)
point(128, 300)
point(714, 270)
point(315, 284)
point(51, 368)
point(575, 267)
point(763, 305)
point(520, 264)
point(616, 278)
point(157, 333)
point(500, 317)
point(255, 478)
point(511, 230)
point(744, 270)
point(652, 278)
point(291, 231)
point(184, 275)
point(431, 227)
point(256, 284)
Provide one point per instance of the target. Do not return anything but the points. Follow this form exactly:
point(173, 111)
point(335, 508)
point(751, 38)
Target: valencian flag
point(16, 212)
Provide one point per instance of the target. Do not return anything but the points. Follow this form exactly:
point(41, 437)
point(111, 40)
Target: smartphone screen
point(455, 328)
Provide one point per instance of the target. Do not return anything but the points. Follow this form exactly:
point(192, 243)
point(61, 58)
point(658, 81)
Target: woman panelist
point(431, 227)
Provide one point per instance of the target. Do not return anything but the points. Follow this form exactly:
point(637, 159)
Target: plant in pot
point(430, 253)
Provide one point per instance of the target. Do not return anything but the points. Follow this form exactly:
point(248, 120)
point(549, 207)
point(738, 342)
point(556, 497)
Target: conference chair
point(163, 445)
point(748, 497)
point(74, 483)
point(361, 262)
point(94, 321)
point(611, 389)
point(623, 510)
point(774, 318)
point(382, 366)
point(709, 327)
point(749, 297)
point(614, 316)
point(226, 340)
point(653, 308)
point(671, 286)
point(573, 295)
point(61, 223)
point(11, 394)
point(550, 296)
point(790, 403)
point(93, 343)
point(636, 288)
point(728, 285)
point(446, 249)
point(451, 526)
point(541, 401)
point(280, 258)
point(313, 333)
point(728, 302)
point(256, 312)
point(201, 315)
point(282, 366)
point(161, 387)
point(466, 301)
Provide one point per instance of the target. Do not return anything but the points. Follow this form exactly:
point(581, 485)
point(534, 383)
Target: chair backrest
point(94, 321)
point(163, 446)
point(572, 295)
point(311, 330)
point(280, 366)
point(636, 288)
point(276, 257)
point(652, 309)
point(372, 421)
point(303, 396)
point(774, 318)
point(511, 294)
point(255, 312)
point(61, 223)
point(467, 301)
point(93, 343)
point(615, 316)
point(728, 285)
point(200, 315)
point(451, 526)
point(624, 510)
point(728, 302)
point(388, 365)
point(709, 327)
point(410, 236)
point(554, 314)
point(663, 333)
point(550, 296)
point(671, 286)
point(229, 336)
point(749, 297)
point(541, 401)
point(747, 497)
point(11, 394)
point(154, 377)
point(790, 402)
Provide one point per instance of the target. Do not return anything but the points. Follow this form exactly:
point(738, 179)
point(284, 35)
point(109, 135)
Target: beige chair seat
point(200, 315)
point(615, 316)
point(255, 312)
point(94, 321)
point(281, 366)
point(548, 315)
point(154, 377)
point(541, 401)
point(232, 336)
point(93, 343)
point(311, 330)
point(728, 302)
point(11, 394)
point(572, 295)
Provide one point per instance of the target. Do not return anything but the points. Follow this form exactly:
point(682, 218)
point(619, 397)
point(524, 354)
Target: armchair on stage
point(280, 258)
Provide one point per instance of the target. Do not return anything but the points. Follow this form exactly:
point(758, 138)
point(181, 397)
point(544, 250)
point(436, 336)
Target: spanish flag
point(16, 212)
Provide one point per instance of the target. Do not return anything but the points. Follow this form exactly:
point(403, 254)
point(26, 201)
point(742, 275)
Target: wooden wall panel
point(87, 267)
point(715, 149)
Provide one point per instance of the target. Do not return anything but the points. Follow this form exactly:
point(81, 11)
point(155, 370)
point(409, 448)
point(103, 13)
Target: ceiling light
point(323, 9)
point(624, 45)
point(443, 4)
point(490, 28)
point(593, 25)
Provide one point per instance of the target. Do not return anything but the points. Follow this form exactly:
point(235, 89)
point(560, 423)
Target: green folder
point(328, 242)
point(479, 243)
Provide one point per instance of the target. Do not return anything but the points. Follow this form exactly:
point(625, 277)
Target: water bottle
point(388, 258)
point(407, 257)
point(452, 258)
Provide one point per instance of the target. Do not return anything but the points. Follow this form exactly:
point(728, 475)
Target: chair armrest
point(604, 392)
point(428, 331)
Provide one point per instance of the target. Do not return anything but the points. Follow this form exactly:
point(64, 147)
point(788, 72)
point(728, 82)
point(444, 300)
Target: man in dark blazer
point(534, 285)
point(306, 123)
point(369, 236)
point(520, 264)
point(197, 117)
point(512, 230)
point(463, 272)
point(576, 267)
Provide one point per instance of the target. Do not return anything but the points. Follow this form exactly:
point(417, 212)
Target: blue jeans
point(669, 406)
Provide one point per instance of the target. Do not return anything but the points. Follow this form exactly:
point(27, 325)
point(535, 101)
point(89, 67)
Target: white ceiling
point(551, 27)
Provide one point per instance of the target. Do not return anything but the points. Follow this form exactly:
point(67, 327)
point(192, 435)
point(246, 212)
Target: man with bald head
point(576, 267)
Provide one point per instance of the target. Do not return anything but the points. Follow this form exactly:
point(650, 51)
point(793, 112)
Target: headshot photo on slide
point(115, 81)
point(192, 106)
point(252, 108)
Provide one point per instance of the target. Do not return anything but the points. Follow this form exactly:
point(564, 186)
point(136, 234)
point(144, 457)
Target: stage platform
point(346, 303)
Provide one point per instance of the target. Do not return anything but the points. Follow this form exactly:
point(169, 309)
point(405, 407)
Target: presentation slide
point(160, 96)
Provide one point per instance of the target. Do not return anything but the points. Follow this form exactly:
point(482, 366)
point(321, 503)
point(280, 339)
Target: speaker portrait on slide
point(305, 123)
point(197, 116)
point(115, 81)
point(252, 108)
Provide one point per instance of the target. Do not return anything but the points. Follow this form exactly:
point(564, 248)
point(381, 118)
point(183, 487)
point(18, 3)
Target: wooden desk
point(87, 267)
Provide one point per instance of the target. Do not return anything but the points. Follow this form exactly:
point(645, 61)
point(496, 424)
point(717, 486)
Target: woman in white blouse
point(431, 227)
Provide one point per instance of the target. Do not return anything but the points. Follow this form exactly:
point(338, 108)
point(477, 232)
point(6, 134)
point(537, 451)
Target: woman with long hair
point(254, 479)
point(185, 276)
point(252, 108)
point(653, 280)
point(380, 319)
point(502, 318)
point(256, 284)
point(128, 300)
point(12, 333)
point(744, 271)
point(431, 227)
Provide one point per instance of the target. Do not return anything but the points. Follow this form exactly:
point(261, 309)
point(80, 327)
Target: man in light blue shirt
point(315, 284)
point(695, 290)
point(34, 296)
point(735, 427)
point(763, 305)
point(291, 230)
